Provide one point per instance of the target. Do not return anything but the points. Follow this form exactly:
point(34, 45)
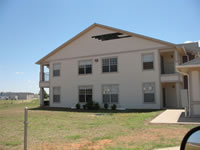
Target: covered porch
point(192, 70)
point(171, 95)
point(44, 85)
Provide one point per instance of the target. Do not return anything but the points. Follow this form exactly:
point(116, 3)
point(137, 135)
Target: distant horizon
point(18, 92)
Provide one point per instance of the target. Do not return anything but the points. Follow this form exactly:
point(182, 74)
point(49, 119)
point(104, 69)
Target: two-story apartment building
point(113, 66)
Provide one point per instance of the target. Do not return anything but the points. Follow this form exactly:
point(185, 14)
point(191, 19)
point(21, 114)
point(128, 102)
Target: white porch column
point(195, 86)
point(41, 72)
point(41, 97)
point(176, 59)
point(178, 94)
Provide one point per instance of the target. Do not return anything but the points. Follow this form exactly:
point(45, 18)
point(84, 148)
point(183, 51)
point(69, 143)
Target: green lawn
point(64, 129)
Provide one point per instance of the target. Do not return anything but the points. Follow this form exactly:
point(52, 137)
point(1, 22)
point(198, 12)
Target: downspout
point(189, 94)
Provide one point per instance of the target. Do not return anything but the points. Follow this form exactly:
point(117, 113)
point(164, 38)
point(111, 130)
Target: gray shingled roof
point(191, 47)
point(195, 61)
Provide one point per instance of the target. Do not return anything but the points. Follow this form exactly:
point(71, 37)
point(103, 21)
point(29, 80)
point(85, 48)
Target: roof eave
point(188, 66)
point(64, 44)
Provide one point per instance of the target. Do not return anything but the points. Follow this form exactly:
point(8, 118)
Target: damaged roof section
point(192, 48)
point(111, 36)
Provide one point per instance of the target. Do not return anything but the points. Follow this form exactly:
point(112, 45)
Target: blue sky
point(30, 29)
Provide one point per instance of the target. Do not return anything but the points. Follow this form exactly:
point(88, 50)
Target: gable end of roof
point(106, 27)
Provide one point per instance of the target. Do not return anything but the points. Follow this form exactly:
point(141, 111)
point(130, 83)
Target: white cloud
point(193, 41)
point(188, 41)
point(19, 73)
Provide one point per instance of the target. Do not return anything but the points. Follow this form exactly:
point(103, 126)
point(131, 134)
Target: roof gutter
point(188, 66)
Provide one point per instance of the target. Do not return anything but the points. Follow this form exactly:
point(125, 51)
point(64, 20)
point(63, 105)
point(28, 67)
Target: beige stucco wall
point(130, 76)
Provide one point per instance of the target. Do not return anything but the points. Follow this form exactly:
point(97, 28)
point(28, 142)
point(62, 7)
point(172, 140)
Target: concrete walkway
point(170, 148)
point(175, 116)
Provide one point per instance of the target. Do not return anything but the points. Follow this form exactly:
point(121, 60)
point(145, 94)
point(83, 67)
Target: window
point(109, 64)
point(85, 67)
point(185, 59)
point(56, 94)
point(56, 70)
point(147, 61)
point(149, 92)
point(85, 94)
point(110, 93)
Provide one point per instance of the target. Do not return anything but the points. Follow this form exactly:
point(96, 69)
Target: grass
point(67, 129)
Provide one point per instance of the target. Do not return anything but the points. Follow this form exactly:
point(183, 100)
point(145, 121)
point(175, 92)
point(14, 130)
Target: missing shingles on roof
point(110, 36)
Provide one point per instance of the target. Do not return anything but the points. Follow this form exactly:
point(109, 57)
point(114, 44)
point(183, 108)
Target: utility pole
point(25, 127)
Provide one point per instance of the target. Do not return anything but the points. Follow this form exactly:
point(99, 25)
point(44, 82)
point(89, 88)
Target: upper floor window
point(147, 61)
point(109, 64)
point(56, 94)
point(85, 67)
point(149, 92)
point(56, 70)
point(185, 59)
point(110, 93)
point(85, 94)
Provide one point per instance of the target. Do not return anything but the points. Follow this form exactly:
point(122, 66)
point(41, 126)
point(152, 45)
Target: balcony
point(168, 68)
point(44, 76)
point(167, 64)
point(166, 78)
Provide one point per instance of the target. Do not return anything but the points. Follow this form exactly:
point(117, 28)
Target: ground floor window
point(85, 94)
point(110, 93)
point(149, 92)
point(56, 94)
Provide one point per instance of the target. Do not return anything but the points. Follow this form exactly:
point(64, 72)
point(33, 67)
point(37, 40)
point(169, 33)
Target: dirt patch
point(147, 135)
point(75, 146)
point(153, 134)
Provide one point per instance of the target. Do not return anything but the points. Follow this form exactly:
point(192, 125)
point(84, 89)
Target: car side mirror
point(191, 140)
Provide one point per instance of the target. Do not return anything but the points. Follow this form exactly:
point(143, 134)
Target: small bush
point(96, 106)
point(78, 106)
point(84, 106)
point(106, 106)
point(113, 107)
point(90, 105)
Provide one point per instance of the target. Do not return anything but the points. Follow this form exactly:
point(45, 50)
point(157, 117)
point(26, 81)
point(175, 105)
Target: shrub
point(84, 106)
point(113, 107)
point(106, 106)
point(96, 106)
point(90, 105)
point(78, 106)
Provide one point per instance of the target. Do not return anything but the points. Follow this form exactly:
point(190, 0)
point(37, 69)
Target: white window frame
point(110, 94)
point(149, 89)
point(57, 94)
point(85, 61)
point(109, 65)
point(57, 69)
point(145, 54)
point(84, 87)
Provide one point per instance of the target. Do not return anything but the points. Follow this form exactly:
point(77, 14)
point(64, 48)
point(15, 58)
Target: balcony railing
point(45, 76)
point(168, 68)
